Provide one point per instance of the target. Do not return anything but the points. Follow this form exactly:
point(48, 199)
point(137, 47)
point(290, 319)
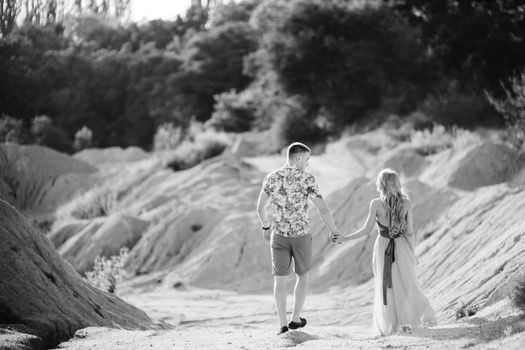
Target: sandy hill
point(37, 179)
point(198, 227)
point(189, 227)
point(43, 300)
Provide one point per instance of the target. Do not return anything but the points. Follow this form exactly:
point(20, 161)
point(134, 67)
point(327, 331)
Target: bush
point(463, 311)
point(513, 110)
point(83, 139)
point(167, 137)
point(12, 130)
point(463, 109)
point(428, 142)
point(108, 272)
point(94, 203)
point(199, 146)
point(233, 113)
point(46, 134)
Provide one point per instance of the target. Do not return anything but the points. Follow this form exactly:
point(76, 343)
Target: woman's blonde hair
point(392, 194)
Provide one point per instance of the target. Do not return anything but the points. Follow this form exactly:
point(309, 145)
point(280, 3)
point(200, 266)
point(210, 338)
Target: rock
point(36, 178)
point(111, 155)
point(103, 237)
point(42, 294)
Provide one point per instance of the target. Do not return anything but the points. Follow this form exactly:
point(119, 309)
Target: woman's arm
point(370, 221)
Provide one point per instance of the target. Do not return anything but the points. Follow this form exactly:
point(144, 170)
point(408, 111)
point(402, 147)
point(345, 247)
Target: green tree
point(233, 12)
point(479, 43)
point(213, 63)
point(348, 61)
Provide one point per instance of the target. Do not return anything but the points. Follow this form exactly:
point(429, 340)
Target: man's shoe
point(283, 329)
point(295, 325)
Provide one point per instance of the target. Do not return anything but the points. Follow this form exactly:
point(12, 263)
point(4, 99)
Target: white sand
point(210, 319)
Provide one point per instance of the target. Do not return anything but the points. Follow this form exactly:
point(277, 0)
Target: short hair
point(296, 148)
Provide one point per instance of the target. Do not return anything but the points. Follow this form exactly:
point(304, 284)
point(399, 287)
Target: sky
point(154, 9)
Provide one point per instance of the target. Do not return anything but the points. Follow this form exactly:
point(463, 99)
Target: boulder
point(43, 295)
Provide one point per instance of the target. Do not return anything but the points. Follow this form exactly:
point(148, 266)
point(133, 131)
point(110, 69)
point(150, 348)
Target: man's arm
point(326, 215)
point(262, 212)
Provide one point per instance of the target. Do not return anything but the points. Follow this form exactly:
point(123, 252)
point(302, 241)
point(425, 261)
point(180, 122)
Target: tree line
point(303, 68)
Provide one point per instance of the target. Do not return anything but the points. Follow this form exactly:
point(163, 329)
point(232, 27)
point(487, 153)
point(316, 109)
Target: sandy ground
point(211, 319)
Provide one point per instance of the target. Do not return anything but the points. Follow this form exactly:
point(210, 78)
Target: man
point(288, 190)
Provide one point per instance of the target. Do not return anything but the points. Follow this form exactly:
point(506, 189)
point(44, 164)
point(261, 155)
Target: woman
point(398, 299)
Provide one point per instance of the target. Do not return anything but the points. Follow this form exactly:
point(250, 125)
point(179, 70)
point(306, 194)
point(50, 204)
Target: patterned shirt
point(289, 188)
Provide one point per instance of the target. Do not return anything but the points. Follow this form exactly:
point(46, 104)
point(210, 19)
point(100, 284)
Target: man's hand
point(267, 234)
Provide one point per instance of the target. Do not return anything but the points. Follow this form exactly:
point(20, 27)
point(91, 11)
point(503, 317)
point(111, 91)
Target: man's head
point(298, 153)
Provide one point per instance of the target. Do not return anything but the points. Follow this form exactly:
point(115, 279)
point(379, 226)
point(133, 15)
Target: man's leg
point(301, 286)
point(279, 293)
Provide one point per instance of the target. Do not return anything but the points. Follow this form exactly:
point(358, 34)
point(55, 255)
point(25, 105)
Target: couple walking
point(398, 299)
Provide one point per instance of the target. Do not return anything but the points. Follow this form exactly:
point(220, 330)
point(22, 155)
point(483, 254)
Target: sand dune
point(198, 228)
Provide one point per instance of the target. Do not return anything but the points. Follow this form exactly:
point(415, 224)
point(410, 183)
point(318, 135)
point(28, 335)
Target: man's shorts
point(284, 248)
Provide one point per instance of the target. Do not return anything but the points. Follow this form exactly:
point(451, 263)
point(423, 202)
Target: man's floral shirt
point(289, 188)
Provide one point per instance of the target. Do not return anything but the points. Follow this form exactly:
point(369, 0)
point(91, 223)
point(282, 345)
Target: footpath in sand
point(210, 319)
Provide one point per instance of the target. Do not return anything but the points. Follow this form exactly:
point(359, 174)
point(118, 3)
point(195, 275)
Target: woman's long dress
point(406, 305)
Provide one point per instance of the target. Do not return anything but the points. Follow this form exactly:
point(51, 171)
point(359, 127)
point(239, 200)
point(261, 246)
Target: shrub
point(108, 272)
point(233, 113)
point(463, 311)
point(428, 142)
point(46, 134)
point(513, 110)
point(518, 298)
point(83, 138)
point(92, 204)
point(463, 109)
point(167, 137)
point(12, 130)
point(198, 147)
